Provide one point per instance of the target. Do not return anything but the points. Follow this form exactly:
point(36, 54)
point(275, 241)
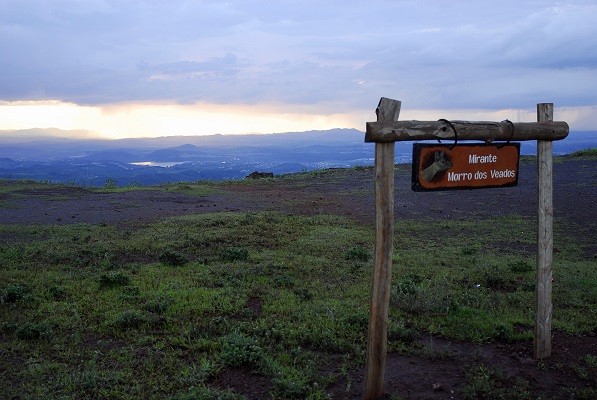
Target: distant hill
point(110, 155)
point(189, 148)
point(37, 134)
point(51, 155)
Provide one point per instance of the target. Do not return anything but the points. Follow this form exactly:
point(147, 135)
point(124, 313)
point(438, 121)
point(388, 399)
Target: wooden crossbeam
point(395, 131)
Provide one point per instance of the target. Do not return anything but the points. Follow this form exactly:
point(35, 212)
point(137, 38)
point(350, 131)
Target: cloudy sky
point(152, 68)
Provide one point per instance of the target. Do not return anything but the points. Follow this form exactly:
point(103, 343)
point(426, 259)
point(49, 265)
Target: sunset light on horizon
point(153, 120)
point(148, 69)
point(137, 120)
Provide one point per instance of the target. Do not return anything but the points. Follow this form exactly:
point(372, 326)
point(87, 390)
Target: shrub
point(130, 319)
point(304, 294)
point(495, 281)
point(402, 334)
point(284, 281)
point(235, 254)
point(130, 294)
point(114, 279)
point(8, 327)
point(358, 320)
point(110, 183)
point(14, 292)
point(195, 374)
point(173, 258)
point(57, 292)
point(159, 304)
point(290, 388)
point(414, 296)
point(469, 251)
point(408, 285)
point(357, 254)
point(238, 349)
point(504, 332)
point(520, 266)
point(483, 382)
point(205, 393)
point(585, 153)
point(33, 331)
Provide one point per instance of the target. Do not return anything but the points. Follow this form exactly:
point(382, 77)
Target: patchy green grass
point(7, 185)
point(585, 154)
point(199, 188)
point(486, 383)
point(92, 311)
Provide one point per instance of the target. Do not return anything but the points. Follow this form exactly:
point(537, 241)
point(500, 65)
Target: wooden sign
point(464, 166)
point(489, 169)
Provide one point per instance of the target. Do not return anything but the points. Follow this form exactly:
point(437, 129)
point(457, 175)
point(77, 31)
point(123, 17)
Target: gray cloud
point(430, 54)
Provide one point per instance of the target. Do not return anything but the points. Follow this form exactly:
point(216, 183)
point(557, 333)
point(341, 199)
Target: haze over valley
point(49, 155)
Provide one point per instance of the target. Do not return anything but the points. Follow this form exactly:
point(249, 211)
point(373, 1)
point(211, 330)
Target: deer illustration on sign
point(440, 164)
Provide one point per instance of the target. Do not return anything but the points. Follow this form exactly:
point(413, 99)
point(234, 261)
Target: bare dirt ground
point(347, 194)
point(351, 194)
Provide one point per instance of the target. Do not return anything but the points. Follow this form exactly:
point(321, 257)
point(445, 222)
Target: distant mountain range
point(51, 155)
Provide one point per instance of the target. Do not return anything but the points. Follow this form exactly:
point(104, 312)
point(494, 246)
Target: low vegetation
point(588, 153)
point(95, 311)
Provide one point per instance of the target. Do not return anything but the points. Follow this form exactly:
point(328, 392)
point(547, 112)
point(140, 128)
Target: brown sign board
point(464, 166)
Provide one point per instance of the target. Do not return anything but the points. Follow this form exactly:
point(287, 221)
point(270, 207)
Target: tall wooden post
point(377, 343)
point(543, 286)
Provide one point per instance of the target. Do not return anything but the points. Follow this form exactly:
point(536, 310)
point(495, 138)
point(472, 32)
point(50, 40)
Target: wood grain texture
point(384, 235)
point(385, 131)
point(543, 286)
point(388, 110)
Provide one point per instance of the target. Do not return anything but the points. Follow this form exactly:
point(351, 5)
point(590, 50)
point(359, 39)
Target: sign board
point(464, 166)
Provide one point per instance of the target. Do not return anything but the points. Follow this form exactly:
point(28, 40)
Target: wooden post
point(543, 286)
point(387, 110)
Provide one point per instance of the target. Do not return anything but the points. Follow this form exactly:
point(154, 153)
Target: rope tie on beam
point(511, 132)
point(453, 130)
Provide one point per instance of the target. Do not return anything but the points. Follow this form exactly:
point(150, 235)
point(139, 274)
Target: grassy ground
point(96, 312)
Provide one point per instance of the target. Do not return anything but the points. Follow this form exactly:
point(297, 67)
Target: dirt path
point(349, 194)
point(439, 374)
point(327, 192)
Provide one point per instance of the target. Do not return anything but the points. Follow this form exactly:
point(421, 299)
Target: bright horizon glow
point(132, 120)
point(153, 120)
point(236, 67)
